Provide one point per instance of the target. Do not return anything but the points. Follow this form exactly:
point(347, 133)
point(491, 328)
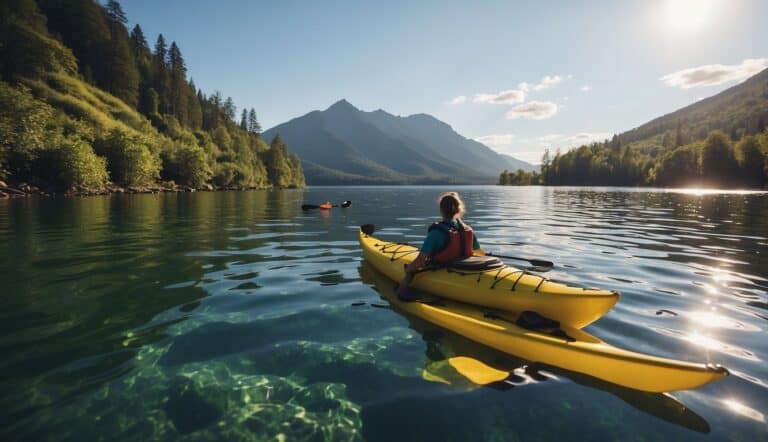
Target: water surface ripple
point(237, 316)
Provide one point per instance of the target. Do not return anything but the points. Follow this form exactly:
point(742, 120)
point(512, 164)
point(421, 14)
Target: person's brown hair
point(451, 205)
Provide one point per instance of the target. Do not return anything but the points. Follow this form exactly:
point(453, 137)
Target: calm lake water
point(238, 316)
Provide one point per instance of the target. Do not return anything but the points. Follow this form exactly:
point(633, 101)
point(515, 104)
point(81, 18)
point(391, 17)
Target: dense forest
point(86, 104)
point(721, 141)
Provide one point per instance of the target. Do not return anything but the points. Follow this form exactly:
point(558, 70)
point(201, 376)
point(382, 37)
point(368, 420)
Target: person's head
point(451, 205)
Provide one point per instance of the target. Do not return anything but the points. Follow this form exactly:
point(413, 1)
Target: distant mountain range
point(345, 145)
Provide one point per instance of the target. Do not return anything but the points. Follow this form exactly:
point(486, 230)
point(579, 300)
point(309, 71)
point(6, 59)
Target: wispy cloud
point(575, 140)
point(510, 96)
point(496, 140)
point(585, 88)
point(533, 110)
point(714, 74)
point(546, 82)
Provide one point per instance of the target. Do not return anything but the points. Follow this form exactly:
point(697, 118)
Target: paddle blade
point(309, 206)
point(476, 371)
point(346, 204)
point(368, 229)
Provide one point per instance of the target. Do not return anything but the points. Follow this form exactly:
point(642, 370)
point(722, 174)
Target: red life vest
point(458, 245)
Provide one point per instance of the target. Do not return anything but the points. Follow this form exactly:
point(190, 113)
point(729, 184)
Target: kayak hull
point(582, 353)
point(507, 288)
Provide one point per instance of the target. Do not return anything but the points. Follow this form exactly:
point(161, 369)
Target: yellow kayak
point(578, 352)
point(506, 288)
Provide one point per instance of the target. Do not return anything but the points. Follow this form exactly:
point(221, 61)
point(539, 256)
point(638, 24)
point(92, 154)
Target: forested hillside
point(86, 105)
point(720, 141)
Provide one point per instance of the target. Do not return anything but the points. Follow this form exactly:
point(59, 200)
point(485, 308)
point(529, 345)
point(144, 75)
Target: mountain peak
point(342, 105)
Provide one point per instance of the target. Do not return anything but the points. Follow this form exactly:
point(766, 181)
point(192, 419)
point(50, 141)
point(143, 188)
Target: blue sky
point(533, 74)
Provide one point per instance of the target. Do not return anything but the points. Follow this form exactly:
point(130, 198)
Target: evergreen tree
point(122, 75)
point(115, 12)
point(161, 81)
point(178, 85)
point(244, 120)
point(230, 109)
point(138, 41)
point(253, 124)
point(193, 104)
point(86, 32)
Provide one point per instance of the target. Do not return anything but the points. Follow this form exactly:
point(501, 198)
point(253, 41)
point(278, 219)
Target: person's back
point(447, 241)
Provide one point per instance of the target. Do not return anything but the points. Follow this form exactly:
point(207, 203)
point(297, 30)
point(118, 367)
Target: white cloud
point(585, 138)
point(534, 110)
point(496, 140)
point(510, 96)
point(585, 88)
point(567, 141)
point(547, 81)
point(714, 74)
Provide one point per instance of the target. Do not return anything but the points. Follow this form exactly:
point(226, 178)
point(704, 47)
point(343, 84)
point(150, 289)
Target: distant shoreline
point(26, 190)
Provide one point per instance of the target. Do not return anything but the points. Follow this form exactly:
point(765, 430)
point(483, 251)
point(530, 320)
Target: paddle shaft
point(533, 262)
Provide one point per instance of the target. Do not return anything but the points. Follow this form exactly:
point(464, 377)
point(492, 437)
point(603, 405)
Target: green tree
point(752, 162)
point(161, 77)
point(229, 109)
point(244, 120)
point(718, 163)
point(187, 165)
point(278, 167)
point(130, 159)
point(178, 85)
point(79, 166)
point(148, 105)
point(26, 49)
point(677, 168)
point(253, 124)
point(23, 130)
point(504, 178)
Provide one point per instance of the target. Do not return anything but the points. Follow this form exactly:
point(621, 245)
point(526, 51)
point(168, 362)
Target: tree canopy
point(85, 102)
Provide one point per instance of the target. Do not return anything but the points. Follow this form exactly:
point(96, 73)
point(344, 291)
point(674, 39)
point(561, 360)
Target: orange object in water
point(326, 205)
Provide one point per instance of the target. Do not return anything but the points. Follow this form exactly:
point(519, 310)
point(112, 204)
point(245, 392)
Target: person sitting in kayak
point(447, 241)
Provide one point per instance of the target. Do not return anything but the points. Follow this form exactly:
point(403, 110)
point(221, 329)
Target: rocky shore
point(22, 190)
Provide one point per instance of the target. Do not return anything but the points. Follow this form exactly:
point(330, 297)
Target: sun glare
point(684, 16)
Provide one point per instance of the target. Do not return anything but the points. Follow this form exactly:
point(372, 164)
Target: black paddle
point(534, 262)
point(368, 229)
point(343, 205)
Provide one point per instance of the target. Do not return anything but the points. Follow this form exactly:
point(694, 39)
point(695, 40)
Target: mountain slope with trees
point(344, 145)
point(86, 104)
point(720, 141)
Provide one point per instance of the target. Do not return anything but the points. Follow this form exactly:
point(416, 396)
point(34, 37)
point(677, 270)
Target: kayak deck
point(506, 288)
point(578, 351)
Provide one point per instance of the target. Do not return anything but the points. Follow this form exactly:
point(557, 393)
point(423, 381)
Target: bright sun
point(686, 16)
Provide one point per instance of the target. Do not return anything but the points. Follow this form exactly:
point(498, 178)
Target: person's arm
point(417, 264)
point(410, 271)
point(476, 250)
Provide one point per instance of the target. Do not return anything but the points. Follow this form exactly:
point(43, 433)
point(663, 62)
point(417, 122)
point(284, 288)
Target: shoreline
point(25, 190)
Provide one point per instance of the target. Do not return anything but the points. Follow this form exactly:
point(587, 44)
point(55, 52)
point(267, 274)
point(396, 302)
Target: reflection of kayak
point(506, 288)
point(578, 351)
